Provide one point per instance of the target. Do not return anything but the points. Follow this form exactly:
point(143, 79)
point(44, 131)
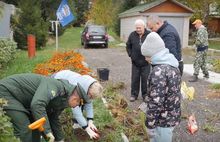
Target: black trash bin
point(103, 74)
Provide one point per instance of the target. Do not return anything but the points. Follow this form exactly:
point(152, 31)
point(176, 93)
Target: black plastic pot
point(103, 74)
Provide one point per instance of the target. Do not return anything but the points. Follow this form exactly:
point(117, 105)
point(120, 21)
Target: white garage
point(172, 11)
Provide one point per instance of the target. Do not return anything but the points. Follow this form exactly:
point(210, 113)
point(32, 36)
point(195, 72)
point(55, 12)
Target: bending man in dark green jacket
point(31, 97)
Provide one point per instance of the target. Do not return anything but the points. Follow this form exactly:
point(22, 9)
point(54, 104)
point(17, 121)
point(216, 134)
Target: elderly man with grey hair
point(91, 89)
point(140, 68)
point(169, 35)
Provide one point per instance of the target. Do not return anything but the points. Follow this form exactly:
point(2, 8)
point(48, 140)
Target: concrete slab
point(213, 77)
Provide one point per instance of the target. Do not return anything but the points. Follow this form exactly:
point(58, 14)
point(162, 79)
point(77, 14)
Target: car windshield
point(97, 29)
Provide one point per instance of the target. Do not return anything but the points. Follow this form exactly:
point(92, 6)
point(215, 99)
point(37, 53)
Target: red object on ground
point(31, 42)
point(192, 124)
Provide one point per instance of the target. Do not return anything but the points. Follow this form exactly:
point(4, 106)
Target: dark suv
point(94, 35)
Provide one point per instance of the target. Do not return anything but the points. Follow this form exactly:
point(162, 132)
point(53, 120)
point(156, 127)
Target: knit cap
point(152, 45)
point(83, 83)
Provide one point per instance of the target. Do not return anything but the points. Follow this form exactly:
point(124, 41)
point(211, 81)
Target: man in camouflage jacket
point(201, 44)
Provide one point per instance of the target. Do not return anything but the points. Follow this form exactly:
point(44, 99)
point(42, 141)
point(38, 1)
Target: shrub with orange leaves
point(61, 61)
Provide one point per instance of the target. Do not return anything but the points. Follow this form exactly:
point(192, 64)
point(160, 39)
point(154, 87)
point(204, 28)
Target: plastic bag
point(192, 124)
point(187, 92)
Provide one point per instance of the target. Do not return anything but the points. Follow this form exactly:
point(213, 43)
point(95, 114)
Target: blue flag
point(64, 14)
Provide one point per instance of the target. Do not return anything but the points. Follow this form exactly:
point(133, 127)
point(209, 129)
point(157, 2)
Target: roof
point(146, 6)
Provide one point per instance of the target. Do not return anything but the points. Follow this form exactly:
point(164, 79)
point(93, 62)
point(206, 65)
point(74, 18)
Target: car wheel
point(106, 45)
point(85, 45)
point(82, 42)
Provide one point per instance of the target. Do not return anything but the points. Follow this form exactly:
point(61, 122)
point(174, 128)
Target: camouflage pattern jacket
point(202, 37)
point(164, 97)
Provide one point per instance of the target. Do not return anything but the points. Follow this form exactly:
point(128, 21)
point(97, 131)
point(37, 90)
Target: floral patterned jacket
point(163, 100)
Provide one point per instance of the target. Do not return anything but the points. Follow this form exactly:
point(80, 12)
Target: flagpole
point(56, 24)
point(64, 16)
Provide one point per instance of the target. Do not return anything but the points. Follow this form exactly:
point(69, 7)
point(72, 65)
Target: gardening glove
point(92, 126)
point(51, 137)
point(91, 133)
point(151, 132)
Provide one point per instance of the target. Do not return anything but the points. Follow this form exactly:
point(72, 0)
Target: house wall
point(168, 7)
point(127, 26)
point(170, 11)
point(5, 30)
point(214, 25)
point(185, 33)
point(180, 22)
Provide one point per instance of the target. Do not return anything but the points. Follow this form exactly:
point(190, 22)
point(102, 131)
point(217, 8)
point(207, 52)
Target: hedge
point(7, 51)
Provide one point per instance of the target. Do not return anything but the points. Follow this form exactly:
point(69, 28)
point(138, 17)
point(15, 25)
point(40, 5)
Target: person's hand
point(92, 126)
point(151, 132)
point(51, 137)
point(91, 133)
point(195, 48)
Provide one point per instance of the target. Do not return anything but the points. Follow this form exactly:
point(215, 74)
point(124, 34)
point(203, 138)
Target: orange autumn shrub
point(61, 61)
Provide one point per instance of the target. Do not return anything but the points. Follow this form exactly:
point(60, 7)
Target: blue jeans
point(162, 134)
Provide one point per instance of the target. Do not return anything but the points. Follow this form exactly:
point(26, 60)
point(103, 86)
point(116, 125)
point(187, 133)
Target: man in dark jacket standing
point(169, 35)
point(140, 68)
point(31, 97)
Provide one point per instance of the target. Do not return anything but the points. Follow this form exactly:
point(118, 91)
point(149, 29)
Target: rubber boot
point(194, 78)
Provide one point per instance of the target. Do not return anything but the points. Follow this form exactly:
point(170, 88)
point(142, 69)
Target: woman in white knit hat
point(163, 100)
point(91, 89)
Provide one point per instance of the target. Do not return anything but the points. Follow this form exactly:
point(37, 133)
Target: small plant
point(6, 129)
point(215, 86)
point(66, 122)
point(209, 128)
point(214, 92)
point(216, 65)
point(7, 51)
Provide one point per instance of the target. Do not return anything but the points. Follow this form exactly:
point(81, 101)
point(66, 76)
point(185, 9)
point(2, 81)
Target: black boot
point(206, 75)
point(194, 78)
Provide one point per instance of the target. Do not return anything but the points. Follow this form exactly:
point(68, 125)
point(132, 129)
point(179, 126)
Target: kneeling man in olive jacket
point(31, 97)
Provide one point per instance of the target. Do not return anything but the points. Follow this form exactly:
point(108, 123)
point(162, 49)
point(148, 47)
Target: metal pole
point(56, 22)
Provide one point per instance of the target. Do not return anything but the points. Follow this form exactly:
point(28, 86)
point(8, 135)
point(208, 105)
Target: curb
point(213, 77)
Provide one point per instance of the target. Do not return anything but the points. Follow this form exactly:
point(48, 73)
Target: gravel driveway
point(206, 110)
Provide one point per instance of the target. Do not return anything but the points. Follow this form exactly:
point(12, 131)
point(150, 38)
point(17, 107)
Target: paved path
point(213, 77)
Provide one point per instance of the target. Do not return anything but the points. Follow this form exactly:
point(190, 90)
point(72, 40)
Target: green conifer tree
point(30, 22)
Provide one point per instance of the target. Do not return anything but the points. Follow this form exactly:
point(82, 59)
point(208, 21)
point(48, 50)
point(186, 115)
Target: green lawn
point(70, 39)
point(214, 44)
point(22, 64)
